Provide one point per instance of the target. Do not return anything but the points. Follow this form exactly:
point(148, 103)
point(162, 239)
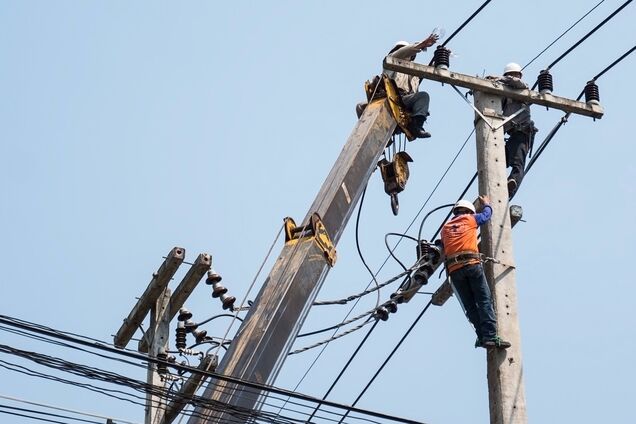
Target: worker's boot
point(417, 127)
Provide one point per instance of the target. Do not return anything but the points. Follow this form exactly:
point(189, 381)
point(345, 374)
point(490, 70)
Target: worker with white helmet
point(463, 265)
point(520, 128)
point(417, 102)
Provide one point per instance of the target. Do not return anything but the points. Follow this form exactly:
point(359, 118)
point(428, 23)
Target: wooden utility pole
point(505, 368)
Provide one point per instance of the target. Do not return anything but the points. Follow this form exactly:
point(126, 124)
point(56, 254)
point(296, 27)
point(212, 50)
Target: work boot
point(417, 127)
point(497, 342)
point(421, 133)
point(478, 343)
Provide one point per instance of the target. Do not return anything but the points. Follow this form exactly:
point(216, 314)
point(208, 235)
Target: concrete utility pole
point(162, 305)
point(265, 337)
point(505, 367)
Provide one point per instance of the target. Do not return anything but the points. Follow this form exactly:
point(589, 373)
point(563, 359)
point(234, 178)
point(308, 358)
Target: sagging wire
point(561, 36)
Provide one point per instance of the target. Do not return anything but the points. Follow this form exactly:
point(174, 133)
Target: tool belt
point(461, 257)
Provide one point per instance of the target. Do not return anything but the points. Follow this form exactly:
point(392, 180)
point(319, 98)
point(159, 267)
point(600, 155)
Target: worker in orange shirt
point(463, 264)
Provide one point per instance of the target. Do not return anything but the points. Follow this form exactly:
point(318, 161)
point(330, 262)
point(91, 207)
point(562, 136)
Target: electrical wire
point(258, 387)
point(386, 361)
point(57, 408)
point(562, 34)
point(358, 245)
point(48, 414)
point(585, 37)
point(470, 18)
point(342, 371)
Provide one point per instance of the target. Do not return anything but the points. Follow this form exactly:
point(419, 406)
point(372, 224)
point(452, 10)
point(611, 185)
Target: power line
point(470, 18)
point(251, 385)
point(386, 361)
point(48, 414)
point(585, 37)
point(562, 34)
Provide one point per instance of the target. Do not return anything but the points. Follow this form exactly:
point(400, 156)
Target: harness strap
point(460, 257)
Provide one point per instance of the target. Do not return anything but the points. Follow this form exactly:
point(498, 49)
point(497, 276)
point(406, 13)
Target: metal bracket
point(507, 119)
point(315, 230)
point(384, 87)
point(473, 106)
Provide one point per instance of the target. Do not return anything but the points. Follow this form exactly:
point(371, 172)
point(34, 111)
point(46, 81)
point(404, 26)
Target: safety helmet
point(512, 67)
point(464, 204)
point(401, 44)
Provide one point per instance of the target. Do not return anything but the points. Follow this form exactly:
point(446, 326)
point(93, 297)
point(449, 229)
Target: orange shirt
point(460, 235)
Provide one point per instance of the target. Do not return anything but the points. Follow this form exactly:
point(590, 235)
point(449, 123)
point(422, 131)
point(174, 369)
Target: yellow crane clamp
point(314, 230)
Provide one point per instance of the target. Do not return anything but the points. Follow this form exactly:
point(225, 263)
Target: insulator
point(391, 306)
point(591, 93)
point(228, 302)
point(441, 57)
point(184, 314)
point(382, 313)
point(189, 352)
point(213, 277)
point(200, 335)
point(397, 296)
point(162, 368)
point(218, 289)
point(544, 81)
point(181, 336)
point(190, 325)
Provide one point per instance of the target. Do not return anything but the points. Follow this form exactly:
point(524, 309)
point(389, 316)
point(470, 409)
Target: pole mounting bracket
point(314, 230)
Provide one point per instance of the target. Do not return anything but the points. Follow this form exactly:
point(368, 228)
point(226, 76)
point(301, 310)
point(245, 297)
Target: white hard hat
point(464, 204)
point(512, 67)
point(401, 44)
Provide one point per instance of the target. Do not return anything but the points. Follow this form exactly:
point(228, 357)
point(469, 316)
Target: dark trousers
point(417, 105)
point(516, 151)
point(472, 289)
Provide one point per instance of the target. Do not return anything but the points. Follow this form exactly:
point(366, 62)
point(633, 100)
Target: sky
point(128, 128)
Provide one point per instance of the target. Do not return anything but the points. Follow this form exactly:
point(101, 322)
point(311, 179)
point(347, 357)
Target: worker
point(520, 129)
point(463, 265)
point(416, 102)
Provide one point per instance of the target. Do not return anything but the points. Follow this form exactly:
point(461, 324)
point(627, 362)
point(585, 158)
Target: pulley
point(395, 174)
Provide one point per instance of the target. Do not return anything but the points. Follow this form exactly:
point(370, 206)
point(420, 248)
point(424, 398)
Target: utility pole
point(265, 337)
point(505, 368)
point(162, 305)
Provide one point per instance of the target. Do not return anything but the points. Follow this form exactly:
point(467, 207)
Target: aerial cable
point(244, 383)
point(470, 18)
point(334, 327)
point(358, 245)
point(560, 36)
point(344, 369)
point(585, 37)
point(390, 356)
point(86, 414)
point(269, 252)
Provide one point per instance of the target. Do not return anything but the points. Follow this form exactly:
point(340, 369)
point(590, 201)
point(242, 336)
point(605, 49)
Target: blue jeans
point(473, 291)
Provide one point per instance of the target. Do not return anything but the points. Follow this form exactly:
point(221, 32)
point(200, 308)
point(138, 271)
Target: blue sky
point(128, 128)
